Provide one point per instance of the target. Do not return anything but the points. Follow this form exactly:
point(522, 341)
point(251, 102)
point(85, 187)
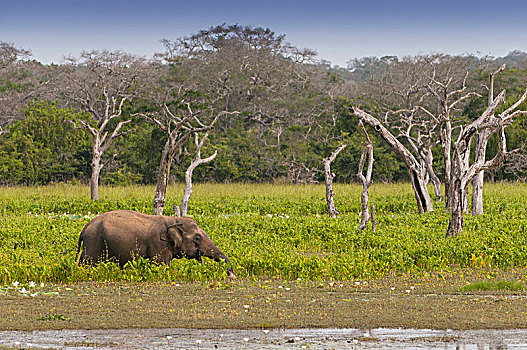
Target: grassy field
point(295, 266)
point(268, 231)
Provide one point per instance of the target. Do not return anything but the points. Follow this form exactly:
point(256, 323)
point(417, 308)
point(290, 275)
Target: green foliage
point(43, 147)
point(266, 231)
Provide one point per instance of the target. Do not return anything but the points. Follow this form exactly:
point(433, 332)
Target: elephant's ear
point(172, 235)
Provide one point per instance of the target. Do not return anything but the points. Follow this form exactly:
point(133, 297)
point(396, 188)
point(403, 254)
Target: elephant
point(125, 234)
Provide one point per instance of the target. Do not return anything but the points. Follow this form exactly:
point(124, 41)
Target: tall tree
point(100, 83)
point(227, 70)
point(180, 105)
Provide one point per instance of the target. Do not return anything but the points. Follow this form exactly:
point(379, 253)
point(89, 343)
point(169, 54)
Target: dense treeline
point(276, 111)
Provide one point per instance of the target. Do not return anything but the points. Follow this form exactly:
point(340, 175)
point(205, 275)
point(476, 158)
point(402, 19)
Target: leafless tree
point(447, 84)
point(489, 123)
point(196, 161)
point(421, 98)
point(482, 138)
point(179, 124)
point(329, 176)
point(366, 181)
point(101, 83)
point(396, 88)
point(416, 170)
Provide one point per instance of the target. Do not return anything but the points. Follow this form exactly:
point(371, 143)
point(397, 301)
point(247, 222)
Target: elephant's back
point(127, 223)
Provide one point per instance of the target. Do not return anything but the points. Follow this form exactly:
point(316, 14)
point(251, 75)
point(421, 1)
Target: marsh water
point(178, 338)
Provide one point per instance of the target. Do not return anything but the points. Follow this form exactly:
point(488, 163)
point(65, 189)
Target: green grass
point(275, 231)
point(493, 285)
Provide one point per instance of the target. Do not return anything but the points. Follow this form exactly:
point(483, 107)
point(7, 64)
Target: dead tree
point(179, 127)
point(482, 138)
point(197, 160)
point(329, 176)
point(366, 181)
point(463, 172)
point(447, 85)
point(416, 171)
point(100, 83)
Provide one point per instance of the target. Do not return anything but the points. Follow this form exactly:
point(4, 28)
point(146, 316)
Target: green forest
point(270, 110)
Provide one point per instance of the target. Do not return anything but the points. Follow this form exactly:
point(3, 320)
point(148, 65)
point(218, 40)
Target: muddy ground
point(430, 301)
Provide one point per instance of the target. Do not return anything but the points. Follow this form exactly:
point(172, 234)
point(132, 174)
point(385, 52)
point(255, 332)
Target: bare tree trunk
point(366, 183)
point(96, 167)
point(433, 177)
point(188, 174)
point(332, 210)
point(422, 196)
point(455, 225)
point(477, 184)
point(446, 146)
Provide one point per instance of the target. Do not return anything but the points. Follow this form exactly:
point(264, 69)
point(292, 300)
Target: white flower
point(266, 331)
point(23, 290)
point(246, 339)
point(32, 284)
point(288, 289)
point(408, 291)
point(198, 341)
point(15, 284)
point(246, 306)
point(42, 285)
point(393, 288)
point(357, 283)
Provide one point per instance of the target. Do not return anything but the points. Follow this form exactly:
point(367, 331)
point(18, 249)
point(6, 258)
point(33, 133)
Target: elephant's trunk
point(217, 255)
point(230, 272)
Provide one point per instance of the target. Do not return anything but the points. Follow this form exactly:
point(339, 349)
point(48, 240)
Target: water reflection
point(178, 338)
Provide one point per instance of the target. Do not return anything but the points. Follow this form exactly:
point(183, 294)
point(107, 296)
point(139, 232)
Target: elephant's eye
point(197, 238)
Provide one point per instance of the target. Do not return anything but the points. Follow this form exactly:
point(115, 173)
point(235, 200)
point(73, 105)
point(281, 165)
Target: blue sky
point(337, 30)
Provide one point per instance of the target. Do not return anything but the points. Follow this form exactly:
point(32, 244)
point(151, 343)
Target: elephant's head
point(192, 242)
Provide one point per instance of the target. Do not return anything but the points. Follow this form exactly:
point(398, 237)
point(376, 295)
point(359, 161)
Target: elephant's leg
point(93, 251)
